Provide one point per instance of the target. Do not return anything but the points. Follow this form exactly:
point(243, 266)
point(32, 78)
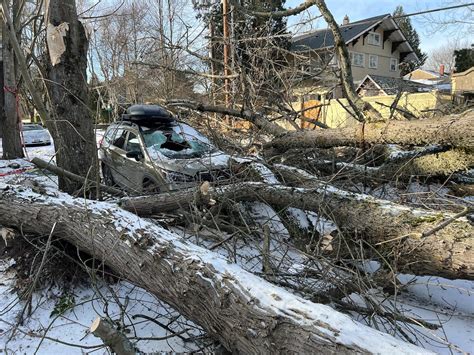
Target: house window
point(357, 59)
point(374, 39)
point(373, 61)
point(393, 64)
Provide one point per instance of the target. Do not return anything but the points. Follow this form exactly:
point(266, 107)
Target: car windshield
point(177, 142)
point(33, 127)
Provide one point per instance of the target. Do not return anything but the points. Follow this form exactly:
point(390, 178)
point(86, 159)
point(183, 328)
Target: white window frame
point(395, 67)
point(353, 55)
point(376, 65)
point(371, 39)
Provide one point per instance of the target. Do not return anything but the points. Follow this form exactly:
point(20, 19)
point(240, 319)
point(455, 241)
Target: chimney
point(441, 70)
point(345, 21)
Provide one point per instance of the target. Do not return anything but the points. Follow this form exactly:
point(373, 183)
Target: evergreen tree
point(412, 37)
point(257, 42)
point(464, 59)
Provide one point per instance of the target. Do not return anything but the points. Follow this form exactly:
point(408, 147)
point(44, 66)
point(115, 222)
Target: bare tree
point(71, 123)
point(444, 55)
point(11, 120)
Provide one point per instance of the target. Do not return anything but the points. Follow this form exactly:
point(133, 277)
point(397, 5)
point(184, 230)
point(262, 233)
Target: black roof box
point(148, 114)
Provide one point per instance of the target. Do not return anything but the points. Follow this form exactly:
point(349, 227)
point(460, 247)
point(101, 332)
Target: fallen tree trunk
point(411, 236)
point(449, 131)
point(440, 164)
point(243, 312)
point(421, 250)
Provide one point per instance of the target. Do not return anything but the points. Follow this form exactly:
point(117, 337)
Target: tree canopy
point(464, 59)
point(412, 37)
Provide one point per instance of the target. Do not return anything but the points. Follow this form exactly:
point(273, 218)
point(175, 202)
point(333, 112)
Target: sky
point(431, 35)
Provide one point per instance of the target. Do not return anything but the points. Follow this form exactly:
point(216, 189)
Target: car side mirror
point(135, 154)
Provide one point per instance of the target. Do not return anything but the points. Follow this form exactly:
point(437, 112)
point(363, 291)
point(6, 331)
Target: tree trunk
point(438, 164)
point(420, 241)
point(389, 227)
point(11, 122)
point(449, 131)
point(358, 105)
point(71, 124)
point(246, 314)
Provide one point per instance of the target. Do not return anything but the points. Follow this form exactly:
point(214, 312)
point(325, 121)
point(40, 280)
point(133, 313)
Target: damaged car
point(150, 151)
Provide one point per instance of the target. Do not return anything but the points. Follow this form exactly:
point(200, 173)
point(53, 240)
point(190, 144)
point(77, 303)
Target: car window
point(120, 136)
point(34, 127)
point(109, 134)
point(133, 144)
point(176, 143)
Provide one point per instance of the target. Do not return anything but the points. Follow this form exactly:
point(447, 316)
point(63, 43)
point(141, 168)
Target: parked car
point(150, 151)
point(35, 134)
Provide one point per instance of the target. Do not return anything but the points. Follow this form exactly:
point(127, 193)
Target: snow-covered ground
point(436, 300)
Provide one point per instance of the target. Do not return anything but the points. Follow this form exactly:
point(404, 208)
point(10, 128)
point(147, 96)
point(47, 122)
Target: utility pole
point(225, 24)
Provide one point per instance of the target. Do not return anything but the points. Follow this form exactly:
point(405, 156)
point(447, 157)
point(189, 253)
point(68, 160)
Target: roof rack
point(149, 114)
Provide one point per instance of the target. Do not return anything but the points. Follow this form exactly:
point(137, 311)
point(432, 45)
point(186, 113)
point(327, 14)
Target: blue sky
point(431, 36)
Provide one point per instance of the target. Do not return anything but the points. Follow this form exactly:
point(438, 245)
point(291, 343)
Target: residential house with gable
point(376, 47)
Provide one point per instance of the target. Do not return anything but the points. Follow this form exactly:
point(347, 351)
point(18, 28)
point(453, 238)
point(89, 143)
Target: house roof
point(434, 73)
point(466, 72)
point(391, 86)
point(321, 39)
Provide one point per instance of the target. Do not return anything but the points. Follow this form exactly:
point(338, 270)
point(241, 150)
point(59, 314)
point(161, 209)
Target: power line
point(434, 10)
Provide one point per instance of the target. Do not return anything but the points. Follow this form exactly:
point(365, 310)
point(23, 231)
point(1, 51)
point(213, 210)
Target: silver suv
point(149, 151)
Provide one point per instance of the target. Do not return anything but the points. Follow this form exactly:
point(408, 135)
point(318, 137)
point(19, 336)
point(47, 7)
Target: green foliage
point(64, 304)
point(464, 59)
point(412, 37)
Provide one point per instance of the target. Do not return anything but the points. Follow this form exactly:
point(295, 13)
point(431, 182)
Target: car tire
point(107, 176)
point(150, 187)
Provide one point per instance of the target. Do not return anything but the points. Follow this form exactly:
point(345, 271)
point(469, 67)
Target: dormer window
point(374, 39)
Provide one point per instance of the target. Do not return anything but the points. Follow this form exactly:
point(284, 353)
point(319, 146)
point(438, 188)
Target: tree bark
point(71, 124)
point(112, 337)
point(410, 236)
point(439, 164)
point(243, 312)
point(449, 131)
point(389, 227)
point(11, 122)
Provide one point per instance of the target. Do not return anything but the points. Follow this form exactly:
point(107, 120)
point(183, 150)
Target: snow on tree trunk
point(243, 312)
point(395, 230)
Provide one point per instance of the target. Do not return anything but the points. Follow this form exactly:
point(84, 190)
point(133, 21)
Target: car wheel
point(107, 176)
point(150, 187)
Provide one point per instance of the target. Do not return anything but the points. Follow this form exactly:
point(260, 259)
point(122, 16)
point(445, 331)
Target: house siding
point(384, 53)
point(333, 114)
point(463, 82)
point(419, 74)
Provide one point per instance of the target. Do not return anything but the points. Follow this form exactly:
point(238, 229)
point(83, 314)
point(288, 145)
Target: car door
point(116, 156)
point(134, 167)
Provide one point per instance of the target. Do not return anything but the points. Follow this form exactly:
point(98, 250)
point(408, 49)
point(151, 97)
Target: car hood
point(216, 160)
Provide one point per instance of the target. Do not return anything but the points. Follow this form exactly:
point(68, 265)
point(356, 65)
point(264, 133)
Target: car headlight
point(178, 177)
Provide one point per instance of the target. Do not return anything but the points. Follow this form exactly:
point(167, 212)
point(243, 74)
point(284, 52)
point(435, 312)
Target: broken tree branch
point(59, 171)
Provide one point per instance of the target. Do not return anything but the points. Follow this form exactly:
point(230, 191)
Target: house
point(376, 85)
point(438, 80)
point(462, 85)
point(427, 76)
point(376, 46)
